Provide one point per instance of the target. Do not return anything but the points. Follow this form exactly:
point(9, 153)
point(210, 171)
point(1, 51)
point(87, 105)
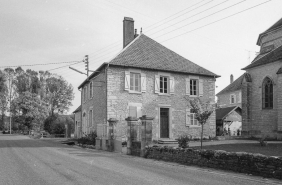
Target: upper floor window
point(135, 82)
point(164, 84)
point(91, 90)
point(84, 94)
point(232, 98)
point(267, 93)
point(193, 87)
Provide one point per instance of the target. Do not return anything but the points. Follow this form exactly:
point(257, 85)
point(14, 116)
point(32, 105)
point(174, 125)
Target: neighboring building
point(231, 95)
point(229, 121)
point(146, 78)
point(77, 122)
point(230, 102)
point(262, 87)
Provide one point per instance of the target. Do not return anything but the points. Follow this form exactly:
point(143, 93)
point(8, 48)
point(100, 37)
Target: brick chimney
point(128, 31)
point(231, 78)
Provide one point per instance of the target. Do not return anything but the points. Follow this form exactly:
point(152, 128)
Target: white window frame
point(128, 81)
point(193, 121)
point(133, 80)
point(167, 85)
point(197, 87)
point(232, 95)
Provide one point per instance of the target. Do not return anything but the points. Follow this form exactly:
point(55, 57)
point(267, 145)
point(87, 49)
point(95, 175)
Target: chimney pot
point(231, 79)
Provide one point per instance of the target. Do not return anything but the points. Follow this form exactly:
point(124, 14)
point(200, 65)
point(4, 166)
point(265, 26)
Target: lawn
point(270, 150)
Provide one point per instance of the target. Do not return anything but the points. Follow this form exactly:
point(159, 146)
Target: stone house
point(262, 87)
point(146, 78)
point(229, 113)
point(77, 122)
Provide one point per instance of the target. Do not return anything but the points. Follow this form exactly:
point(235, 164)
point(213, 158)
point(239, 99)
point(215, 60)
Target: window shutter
point(126, 80)
point(157, 84)
point(187, 86)
point(188, 119)
point(171, 83)
point(239, 97)
point(133, 111)
point(139, 112)
point(201, 88)
point(143, 82)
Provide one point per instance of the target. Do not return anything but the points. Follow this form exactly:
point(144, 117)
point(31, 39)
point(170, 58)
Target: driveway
point(46, 161)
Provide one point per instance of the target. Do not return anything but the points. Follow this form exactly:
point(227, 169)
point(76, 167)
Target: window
point(193, 87)
point(91, 90)
point(135, 82)
point(164, 84)
point(90, 118)
point(267, 93)
point(193, 119)
point(232, 98)
point(135, 110)
point(84, 94)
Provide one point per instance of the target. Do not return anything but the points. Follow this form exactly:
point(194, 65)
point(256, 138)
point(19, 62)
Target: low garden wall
point(255, 164)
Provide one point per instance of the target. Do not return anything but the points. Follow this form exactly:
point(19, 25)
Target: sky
point(219, 35)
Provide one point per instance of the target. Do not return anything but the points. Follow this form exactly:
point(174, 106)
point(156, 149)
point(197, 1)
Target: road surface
point(27, 161)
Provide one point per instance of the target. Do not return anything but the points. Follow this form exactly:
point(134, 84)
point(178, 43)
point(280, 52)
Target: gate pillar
point(130, 121)
point(112, 122)
point(146, 133)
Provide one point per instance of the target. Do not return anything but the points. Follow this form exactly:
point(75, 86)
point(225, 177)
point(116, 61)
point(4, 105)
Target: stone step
point(167, 141)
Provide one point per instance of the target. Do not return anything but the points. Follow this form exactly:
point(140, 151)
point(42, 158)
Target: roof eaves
point(230, 112)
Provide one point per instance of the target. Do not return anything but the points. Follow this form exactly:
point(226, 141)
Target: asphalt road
point(26, 161)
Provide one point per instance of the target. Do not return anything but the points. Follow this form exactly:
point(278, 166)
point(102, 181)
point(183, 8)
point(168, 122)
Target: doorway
point(164, 122)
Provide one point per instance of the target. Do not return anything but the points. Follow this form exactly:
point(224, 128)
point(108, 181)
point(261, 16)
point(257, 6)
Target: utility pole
point(86, 64)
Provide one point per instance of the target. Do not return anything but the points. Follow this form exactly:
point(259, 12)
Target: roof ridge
point(228, 88)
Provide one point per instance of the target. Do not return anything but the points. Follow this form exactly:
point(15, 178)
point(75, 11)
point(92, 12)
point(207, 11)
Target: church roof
point(270, 57)
point(275, 26)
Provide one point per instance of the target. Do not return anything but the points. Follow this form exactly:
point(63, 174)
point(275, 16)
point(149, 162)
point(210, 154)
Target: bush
point(183, 141)
point(89, 139)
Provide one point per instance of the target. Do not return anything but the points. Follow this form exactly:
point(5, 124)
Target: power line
point(194, 15)
point(217, 21)
point(64, 66)
point(37, 64)
point(202, 18)
point(180, 15)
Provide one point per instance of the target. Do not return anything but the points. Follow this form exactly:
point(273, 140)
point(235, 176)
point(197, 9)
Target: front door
point(164, 122)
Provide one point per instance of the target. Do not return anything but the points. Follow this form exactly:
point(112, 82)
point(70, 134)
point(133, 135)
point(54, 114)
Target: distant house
point(230, 102)
point(262, 87)
point(146, 78)
point(229, 121)
point(77, 122)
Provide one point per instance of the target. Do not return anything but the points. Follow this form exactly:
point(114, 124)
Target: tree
point(202, 113)
point(3, 97)
point(29, 110)
point(59, 94)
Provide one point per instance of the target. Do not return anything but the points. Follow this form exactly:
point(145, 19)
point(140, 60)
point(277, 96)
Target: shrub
point(262, 141)
point(89, 139)
point(183, 141)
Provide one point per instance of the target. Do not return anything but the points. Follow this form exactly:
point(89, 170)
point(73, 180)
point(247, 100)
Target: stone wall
point(255, 164)
point(223, 100)
point(262, 121)
point(96, 103)
point(118, 103)
point(77, 121)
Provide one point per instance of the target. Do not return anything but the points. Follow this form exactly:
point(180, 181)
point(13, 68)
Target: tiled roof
point(78, 109)
point(272, 56)
point(274, 26)
point(235, 86)
point(146, 53)
point(221, 113)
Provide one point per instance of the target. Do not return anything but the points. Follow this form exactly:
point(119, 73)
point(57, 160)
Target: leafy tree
point(29, 110)
point(3, 97)
point(59, 94)
point(202, 113)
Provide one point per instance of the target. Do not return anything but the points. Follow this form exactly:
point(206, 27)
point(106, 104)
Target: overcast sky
point(203, 31)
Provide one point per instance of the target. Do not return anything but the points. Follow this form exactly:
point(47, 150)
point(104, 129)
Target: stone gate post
point(130, 121)
point(112, 122)
point(146, 133)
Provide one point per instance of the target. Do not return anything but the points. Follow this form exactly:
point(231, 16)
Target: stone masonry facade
point(224, 99)
point(118, 101)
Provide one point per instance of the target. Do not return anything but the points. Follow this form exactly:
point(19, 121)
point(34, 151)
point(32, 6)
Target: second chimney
point(231, 79)
point(128, 31)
